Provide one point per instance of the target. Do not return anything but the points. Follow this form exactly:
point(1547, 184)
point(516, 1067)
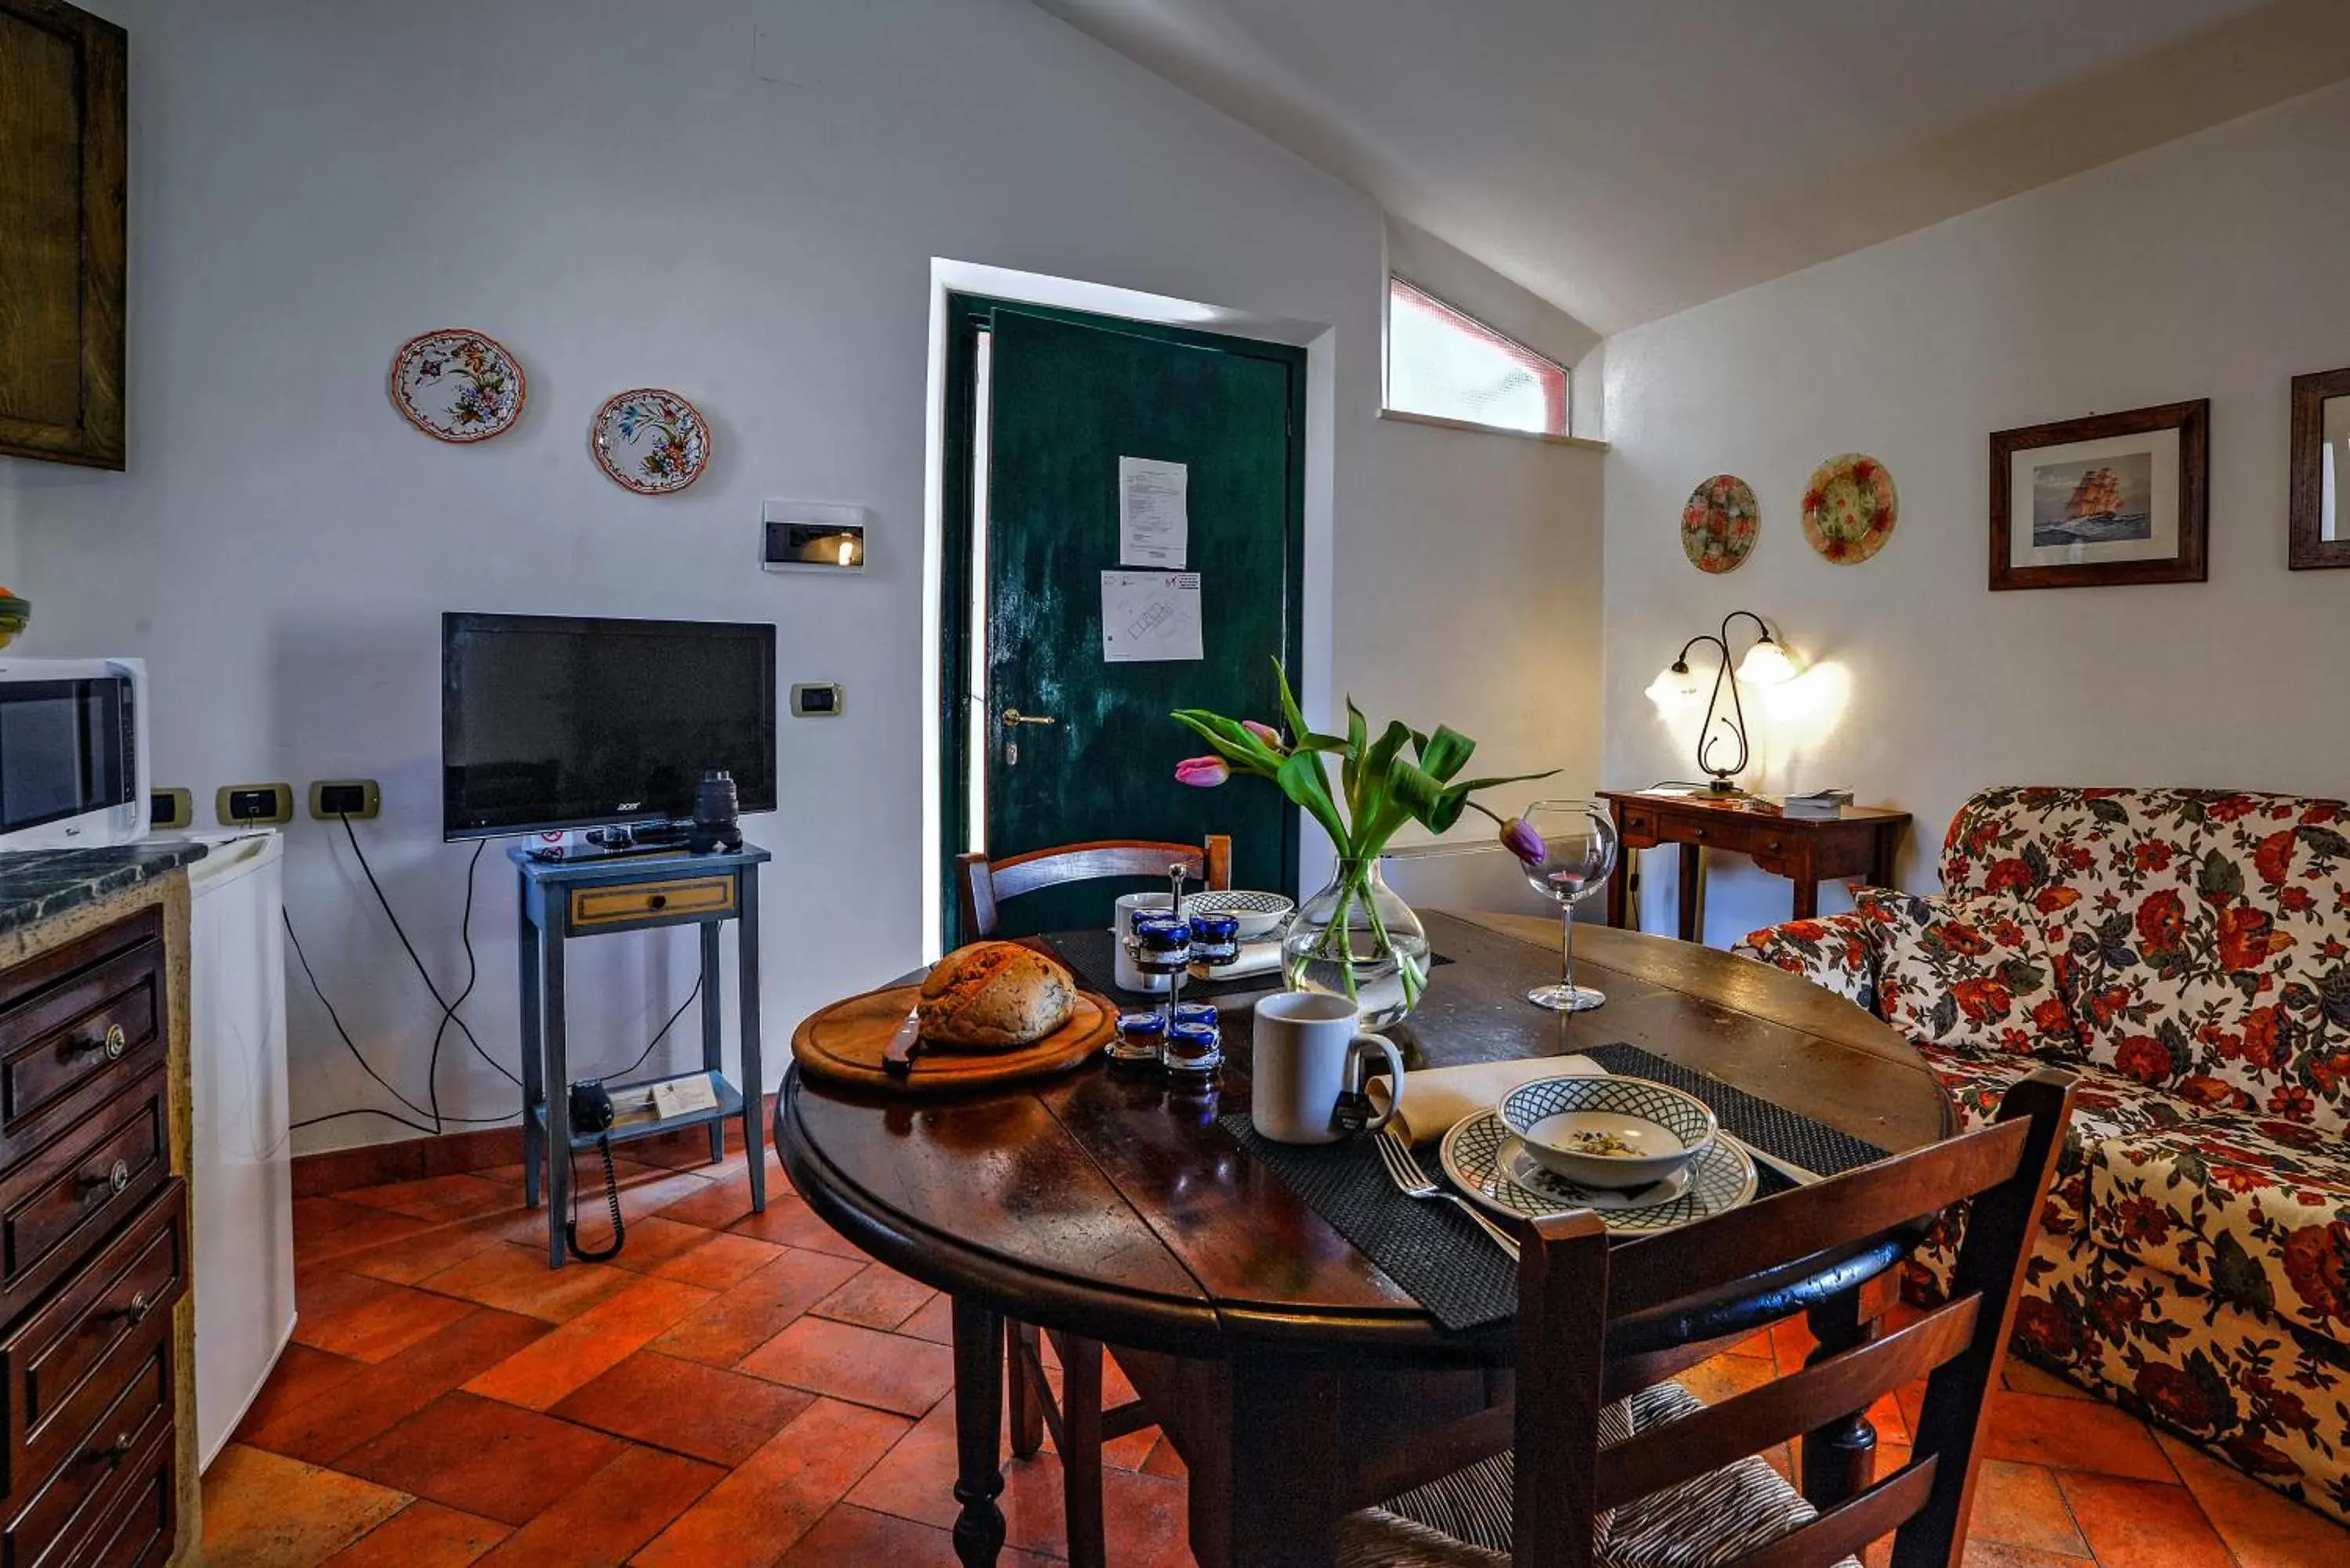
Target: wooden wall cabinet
point(64, 157)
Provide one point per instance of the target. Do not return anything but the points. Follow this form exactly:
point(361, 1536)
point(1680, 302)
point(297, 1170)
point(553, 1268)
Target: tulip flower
point(1265, 732)
point(1519, 837)
point(1202, 772)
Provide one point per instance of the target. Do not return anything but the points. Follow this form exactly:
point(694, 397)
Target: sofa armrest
point(1832, 952)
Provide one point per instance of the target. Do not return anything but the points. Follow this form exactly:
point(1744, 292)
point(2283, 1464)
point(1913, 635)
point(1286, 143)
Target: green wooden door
point(1066, 398)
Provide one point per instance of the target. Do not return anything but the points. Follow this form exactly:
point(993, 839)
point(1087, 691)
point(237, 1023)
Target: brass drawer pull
point(114, 1453)
point(110, 1046)
point(1698, 833)
point(135, 1309)
point(114, 1180)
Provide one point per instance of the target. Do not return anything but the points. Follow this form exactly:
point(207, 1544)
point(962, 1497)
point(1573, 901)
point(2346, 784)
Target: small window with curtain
point(1443, 363)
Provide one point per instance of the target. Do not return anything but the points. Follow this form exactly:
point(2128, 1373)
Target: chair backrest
point(983, 884)
point(1572, 1286)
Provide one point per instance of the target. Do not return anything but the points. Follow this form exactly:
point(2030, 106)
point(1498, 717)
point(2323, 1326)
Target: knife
point(897, 1056)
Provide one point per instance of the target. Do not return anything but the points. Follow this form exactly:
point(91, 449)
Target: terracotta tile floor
point(747, 1390)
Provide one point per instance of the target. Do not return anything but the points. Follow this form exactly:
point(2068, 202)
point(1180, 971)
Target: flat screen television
point(552, 723)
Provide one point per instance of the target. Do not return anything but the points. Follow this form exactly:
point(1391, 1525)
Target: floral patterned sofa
point(2187, 954)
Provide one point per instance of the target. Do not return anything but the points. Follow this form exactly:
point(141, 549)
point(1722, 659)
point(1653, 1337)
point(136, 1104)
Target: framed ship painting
point(2110, 499)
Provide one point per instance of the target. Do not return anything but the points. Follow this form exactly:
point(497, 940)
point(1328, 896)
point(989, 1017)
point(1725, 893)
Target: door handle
point(1014, 716)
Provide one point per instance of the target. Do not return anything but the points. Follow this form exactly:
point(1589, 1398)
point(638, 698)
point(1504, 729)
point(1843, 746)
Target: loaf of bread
point(993, 996)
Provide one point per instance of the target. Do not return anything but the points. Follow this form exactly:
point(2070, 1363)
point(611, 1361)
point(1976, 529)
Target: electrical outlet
point(170, 808)
point(254, 805)
point(357, 799)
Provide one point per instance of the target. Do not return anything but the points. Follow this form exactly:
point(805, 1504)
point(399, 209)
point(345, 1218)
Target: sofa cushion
point(1969, 973)
point(2254, 1209)
point(2208, 933)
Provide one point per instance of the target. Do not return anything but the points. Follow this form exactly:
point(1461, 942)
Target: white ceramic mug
point(1129, 978)
point(1305, 1045)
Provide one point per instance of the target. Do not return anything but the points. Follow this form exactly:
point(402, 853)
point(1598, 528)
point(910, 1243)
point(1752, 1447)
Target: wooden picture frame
point(2312, 544)
point(2111, 499)
point(64, 157)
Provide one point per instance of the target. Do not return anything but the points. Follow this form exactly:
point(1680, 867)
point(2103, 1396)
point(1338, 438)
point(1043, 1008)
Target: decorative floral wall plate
point(1850, 509)
point(457, 385)
point(653, 441)
point(1719, 524)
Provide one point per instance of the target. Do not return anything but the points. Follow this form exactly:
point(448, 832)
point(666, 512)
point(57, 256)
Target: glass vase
point(1357, 940)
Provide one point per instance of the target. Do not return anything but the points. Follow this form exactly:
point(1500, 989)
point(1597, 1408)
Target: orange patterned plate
point(1850, 509)
point(1719, 524)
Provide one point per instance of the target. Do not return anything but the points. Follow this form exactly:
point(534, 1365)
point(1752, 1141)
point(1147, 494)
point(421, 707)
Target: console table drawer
point(67, 1194)
point(629, 903)
point(94, 1024)
point(126, 1294)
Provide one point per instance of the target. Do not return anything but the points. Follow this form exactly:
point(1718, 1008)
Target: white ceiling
point(1626, 159)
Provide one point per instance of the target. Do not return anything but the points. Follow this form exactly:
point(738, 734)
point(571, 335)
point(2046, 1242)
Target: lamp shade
point(1676, 686)
point(1766, 664)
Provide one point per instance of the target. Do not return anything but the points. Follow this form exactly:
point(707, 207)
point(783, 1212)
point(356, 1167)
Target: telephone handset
point(591, 1112)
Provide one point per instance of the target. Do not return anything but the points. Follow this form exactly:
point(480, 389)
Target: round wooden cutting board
point(843, 1045)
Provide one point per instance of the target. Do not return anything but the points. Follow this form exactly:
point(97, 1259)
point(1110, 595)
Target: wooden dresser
point(96, 1320)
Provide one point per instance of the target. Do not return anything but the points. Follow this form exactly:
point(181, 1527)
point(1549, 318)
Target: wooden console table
point(564, 899)
point(1858, 841)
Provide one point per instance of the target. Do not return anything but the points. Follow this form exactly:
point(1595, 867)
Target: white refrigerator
point(241, 1178)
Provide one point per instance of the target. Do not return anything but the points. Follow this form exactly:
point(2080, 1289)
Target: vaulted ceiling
point(1626, 159)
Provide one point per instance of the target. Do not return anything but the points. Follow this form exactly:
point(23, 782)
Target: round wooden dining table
point(1293, 1376)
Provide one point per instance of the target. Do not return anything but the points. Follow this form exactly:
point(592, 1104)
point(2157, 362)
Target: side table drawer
point(631, 903)
point(126, 1293)
point(72, 1191)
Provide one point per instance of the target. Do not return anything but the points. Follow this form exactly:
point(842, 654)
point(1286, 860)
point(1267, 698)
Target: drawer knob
point(1773, 844)
point(110, 1046)
point(114, 1453)
point(1698, 833)
point(111, 1180)
point(658, 901)
point(135, 1309)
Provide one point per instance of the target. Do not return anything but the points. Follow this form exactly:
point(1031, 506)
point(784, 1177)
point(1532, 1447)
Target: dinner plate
point(1486, 1161)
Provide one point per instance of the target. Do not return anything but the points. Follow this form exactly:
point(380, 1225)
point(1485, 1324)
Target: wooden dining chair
point(983, 885)
point(1079, 1424)
point(1655, 1477)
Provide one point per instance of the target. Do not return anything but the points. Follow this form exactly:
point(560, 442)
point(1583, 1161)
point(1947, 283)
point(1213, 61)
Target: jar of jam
point(1196, 1012)
point(1162, 945)
point(1215, 938)
point(1140, 1039)
point(1193, 1050)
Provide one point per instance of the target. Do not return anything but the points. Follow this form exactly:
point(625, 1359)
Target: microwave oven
point(73, 752)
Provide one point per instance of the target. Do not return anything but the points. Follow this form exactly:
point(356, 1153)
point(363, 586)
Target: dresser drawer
point(68, 1194)
point(627, 903)
point(94, 1024)
point(118, 1423)
point(139, 1520)
point(125, 1293)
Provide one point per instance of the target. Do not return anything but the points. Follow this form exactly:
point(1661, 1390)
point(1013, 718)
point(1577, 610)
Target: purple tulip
point(1519, 837)
point(1202, 772)
point(1265, 732)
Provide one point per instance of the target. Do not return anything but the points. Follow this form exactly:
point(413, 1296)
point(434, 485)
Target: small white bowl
point(1613, 1134)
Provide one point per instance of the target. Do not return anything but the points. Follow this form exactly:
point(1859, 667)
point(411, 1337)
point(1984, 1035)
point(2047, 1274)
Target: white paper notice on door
point(1154, 517)
point(1150, 615)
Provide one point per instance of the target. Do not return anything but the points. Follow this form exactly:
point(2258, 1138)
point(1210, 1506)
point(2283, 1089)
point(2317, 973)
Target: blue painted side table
point(561, 899)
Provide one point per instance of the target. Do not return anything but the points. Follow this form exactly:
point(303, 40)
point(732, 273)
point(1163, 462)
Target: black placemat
point(1440, 1256)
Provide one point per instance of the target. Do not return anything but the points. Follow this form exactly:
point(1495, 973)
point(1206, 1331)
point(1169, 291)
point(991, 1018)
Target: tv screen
point(550, 722)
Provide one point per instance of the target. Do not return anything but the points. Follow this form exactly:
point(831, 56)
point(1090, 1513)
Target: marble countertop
point(37, 885)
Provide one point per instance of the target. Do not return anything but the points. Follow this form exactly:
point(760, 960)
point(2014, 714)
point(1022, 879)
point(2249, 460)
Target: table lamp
point(1767, 663)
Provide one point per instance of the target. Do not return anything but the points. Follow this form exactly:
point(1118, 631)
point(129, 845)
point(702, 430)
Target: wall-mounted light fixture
point(1767, 663)
point(812, 536)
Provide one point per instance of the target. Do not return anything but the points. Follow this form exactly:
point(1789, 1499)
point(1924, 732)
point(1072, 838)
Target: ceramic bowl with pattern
point(1609, 1133)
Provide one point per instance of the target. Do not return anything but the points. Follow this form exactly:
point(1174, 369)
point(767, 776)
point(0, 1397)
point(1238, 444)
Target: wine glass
point(1578, 852)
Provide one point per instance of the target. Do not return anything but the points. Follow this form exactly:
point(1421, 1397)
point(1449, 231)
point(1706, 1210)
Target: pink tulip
point(1519, 837)
point(1265, 732)
point(1202, 772)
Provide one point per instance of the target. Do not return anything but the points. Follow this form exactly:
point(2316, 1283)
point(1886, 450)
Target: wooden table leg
point(979, 1408)
point(1880, 857)
point(1807, 898)
point(1281, 1496)
point(1691, 868)
point(1840, 1458)
point(1027, 1414)
point(1619, 889)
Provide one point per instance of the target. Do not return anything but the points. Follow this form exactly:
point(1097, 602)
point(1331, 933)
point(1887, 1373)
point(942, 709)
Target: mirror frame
point(2309, 547)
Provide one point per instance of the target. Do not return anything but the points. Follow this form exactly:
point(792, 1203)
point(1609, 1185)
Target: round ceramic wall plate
point(1850, 508)
point(1720, 522)
point(1487, 1162)
point(457, 385)
point(649, 441)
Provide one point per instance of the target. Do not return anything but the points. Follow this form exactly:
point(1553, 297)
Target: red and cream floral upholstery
point(2195, 1262)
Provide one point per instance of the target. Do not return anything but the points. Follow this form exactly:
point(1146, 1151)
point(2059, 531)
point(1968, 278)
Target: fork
point(1413, 1182)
